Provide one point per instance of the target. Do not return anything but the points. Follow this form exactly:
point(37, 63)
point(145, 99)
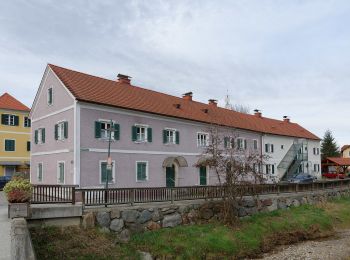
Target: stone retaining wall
point(125, 220)
point(21, 243)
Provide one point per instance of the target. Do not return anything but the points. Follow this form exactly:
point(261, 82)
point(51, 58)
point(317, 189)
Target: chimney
point(286, 119)
point(257, 113)
point(187, 96)
point(213, 102)
point(124, 79)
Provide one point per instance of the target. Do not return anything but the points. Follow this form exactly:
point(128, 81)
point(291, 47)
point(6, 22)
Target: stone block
point(103, 219)
point(144, 216)
point(115, 213)
point(206, 213)
point(156, 216)
point(153, 225)
point(116, 225)
point(135, 227)
point(88, 220)
point(124, 236)
point(130, 215)
point(172, 220)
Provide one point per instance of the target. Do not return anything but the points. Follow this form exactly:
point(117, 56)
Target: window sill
point(141, 142)
point(139, 181)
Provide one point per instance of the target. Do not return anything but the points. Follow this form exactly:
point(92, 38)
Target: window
point(28, 146)
point(282, 147)
point(61, 131)
point(241, 143)
point(229, 142)
point(102, 128)
point(141, 171)
point(49, 96)
point(39, 136)
point(10, 145)
point(269, 148)
point(270, 168)
point(255, 144)
point(171, 136)
point(104, 172)
point(39, 172)
point(318, 151)
point(11, 120)
point(141, 133)
point(202, 139)
point(27, 122)
point(316, 167)
point(203, 175)
point(60, 172)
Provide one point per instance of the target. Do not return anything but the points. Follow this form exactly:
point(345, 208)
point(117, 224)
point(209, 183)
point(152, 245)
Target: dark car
point(4, 180)
point(302, 178)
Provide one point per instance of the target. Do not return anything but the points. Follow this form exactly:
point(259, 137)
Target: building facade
point(157, 139)
point(14, 136)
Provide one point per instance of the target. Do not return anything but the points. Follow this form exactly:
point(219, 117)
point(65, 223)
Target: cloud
point(283, 57)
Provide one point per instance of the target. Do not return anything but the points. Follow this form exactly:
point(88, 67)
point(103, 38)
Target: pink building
point(157, 138)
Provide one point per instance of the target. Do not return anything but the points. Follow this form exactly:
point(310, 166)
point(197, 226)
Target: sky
point(282, 57)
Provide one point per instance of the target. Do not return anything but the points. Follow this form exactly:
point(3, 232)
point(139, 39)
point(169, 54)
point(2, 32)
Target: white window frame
point(268, 168)
point(199, 140)
point(58, 172)
point(40, 135)
point(5, 145)
point(147, 170)
point(269, 150)
point(60, 130)
point(47, 96)
point(173, 131)
point(10, 119)
point(100, 172)
point(241, 143)
point(104, 130)
point(26, 122)
point(42, 172)
point(140, 126)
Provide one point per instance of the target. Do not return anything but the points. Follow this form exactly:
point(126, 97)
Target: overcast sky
point(283, 57)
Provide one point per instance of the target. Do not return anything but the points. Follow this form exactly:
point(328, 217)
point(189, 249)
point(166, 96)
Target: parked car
point(4, 180)
point(333, 175)
point(302, 178)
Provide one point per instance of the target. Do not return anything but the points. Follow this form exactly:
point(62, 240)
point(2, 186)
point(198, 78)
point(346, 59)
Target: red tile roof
point(339, 161)
point(9, 102)
point(98, 90)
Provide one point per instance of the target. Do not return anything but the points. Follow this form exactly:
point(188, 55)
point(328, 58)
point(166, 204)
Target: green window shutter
point(245, 144)
point(6, 145)
point(266, 148)
point(103, 172)
point(65, 129)
point(226, 141)
point(134, 133)
point(97, 129)
point(56, 131)
point(49, 99)
point(4, 118)
point(16, 120)
point(28, 146)
point(43, 135)
point(36, 136)
point(165, 137)
point(177, 137)
point(29, 122)
point(141, 171)
point(149, 134)
point(203, 175)
point(271, 148)
point(116, 131)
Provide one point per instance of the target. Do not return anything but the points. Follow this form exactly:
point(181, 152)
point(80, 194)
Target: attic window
point(178, 106)
point(205, 110)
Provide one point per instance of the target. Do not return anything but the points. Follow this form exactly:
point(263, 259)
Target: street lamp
point(109, 160)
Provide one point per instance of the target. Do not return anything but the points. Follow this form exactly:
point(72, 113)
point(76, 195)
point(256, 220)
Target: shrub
point(18, 190)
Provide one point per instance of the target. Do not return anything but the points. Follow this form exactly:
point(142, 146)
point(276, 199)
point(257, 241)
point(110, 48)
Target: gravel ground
point(333, 248)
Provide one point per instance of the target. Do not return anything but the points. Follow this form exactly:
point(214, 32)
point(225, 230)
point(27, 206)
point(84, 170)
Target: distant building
point(157, 140)
point(345, 151)
point(14, 136)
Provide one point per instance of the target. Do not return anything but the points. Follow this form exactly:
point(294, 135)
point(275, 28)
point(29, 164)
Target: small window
point(27, 122)
point(229, 142)
point(269, 148)
point(49, 96)
point(40, 172)
point(255, 144)
point(270, 168)
point(241, 143)
point(39, 136)
point(171, 136)
point(61, 131)
point(282, 147)
point(141, 171)
point(318, 151)
point(104, 172)
point(141, 133)
point(202, 139)
point(60, 172)
point(10, 145)
point(28, 146)
point(11, 120)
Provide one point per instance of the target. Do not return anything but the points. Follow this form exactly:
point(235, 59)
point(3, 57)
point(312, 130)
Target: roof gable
point(98, 90)
point(9, 102)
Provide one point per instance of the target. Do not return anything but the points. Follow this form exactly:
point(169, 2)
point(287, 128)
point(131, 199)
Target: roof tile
point(9, 102)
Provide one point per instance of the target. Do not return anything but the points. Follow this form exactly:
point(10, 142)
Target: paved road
point(5, 227)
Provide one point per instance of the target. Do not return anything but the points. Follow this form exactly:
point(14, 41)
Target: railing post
point(172, 195)
point(106, 197)
point(73, 195)
point(278, 189)
point(323, 186)
point(132, 197)
point(83, 197)
point(297, 187)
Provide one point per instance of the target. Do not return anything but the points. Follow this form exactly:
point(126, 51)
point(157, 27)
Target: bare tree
point(238, 169)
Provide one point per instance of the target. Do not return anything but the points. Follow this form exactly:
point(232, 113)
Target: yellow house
point(14, 136)
point(345, 151)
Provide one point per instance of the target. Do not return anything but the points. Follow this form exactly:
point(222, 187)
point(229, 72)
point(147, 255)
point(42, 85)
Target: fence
point(113, 196)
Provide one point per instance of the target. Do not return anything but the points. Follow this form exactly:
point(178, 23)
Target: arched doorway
point(172, 166)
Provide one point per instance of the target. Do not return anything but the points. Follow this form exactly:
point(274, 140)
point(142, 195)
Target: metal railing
point(46, 194)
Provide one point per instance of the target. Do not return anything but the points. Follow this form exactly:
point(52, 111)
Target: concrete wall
point(21, 244)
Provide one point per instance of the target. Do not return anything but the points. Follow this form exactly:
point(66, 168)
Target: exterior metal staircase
point(292, 160)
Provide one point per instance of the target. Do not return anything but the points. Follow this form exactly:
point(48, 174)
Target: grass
point(253, 236)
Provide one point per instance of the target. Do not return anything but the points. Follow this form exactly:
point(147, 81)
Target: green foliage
point(18, 190)
point(329, 146)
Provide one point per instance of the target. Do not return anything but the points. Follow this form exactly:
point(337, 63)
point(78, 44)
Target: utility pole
point(109, 166)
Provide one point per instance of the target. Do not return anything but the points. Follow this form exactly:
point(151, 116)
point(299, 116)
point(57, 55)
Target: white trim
point(13, 132)
point(173, 130)
point(100, 172)
point(38, 93)
point(147, 171)
point(137, 152)
point(53, 113)
point(76, 143)
point(52, 152)
point(6, 139)
point(206, 141)
point(24, 120)
point(58, 172)
point(42, 172)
